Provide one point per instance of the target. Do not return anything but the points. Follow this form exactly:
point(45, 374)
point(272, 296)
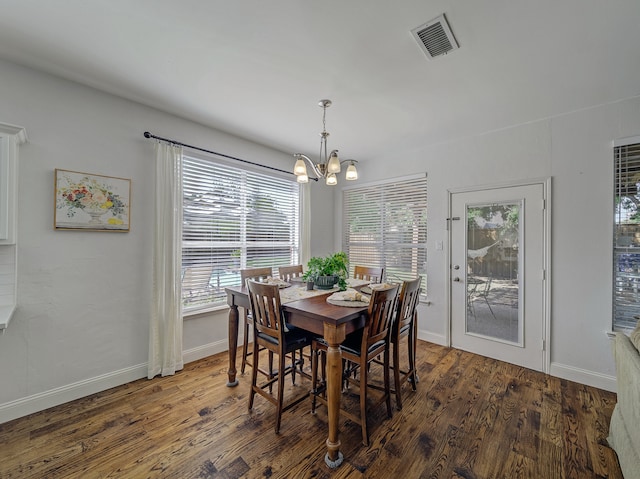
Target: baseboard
point(583, 376)
point(206, 350)
point(54, 397)
point(432, 338)
point(571, 373)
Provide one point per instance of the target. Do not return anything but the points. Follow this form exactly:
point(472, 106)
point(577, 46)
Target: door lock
point(456, 279)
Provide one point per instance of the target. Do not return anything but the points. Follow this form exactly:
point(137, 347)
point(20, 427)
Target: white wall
point(575, 150)
point(84, 297)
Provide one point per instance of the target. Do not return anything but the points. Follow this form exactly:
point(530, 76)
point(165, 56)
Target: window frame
point(626, 249)
point(391, 274)
point(250, 237)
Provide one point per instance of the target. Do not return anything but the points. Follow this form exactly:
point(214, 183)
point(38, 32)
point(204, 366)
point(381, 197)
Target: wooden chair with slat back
point(359, 349)
point(250, 273)
point(373, 275)
point(289, 274)
point(269, 332)
point(404, 326)
point(286, 273)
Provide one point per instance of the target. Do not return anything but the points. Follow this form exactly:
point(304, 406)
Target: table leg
point(334, 335)
point(233, 345)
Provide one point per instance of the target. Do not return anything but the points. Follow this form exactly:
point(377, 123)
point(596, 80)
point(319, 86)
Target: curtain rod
point(174, 142)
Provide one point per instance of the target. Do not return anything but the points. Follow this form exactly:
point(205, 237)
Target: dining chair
point(359, 349)
point(271, 333)
point(374, 275)
point(245, 274)
point(289, 274)
point(405, 326)
point(286, 273)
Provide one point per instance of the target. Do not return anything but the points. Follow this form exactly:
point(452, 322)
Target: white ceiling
point(257, 68)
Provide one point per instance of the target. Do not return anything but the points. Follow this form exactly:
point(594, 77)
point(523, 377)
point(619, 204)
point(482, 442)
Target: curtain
point(305, 225)
point(165, 331)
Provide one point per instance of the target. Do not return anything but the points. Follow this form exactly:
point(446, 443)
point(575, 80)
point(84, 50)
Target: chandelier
point(329, 164)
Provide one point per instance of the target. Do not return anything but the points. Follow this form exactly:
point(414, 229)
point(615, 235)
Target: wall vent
point(435, 37)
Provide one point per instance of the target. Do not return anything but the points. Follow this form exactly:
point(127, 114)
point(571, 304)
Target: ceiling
point(257, 68)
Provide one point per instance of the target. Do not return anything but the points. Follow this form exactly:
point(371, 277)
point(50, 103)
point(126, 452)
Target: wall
point(575, 150)
point(84, 297)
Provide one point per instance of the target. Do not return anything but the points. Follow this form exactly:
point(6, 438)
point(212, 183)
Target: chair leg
point(271, 375)
point(254, 375)
point(396, 373)
point(363, 400)
point(245, 345)
point(387, 387)
point(315, 356)
point(413, 377)
point(281, 378)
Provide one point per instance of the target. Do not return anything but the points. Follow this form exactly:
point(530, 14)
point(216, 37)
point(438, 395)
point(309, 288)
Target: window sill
point(6, 313)
point(204, 310)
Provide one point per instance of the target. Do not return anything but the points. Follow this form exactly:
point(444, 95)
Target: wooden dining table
point(316, 315)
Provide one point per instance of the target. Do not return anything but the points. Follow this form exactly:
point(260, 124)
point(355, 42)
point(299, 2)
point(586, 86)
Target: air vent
point(435, 38)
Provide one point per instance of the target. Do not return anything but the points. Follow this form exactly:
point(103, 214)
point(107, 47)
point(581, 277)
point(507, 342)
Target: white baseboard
point(194, 354)
point(54, 397)
point(583, 376)
point(432, 338)
point(571, 373)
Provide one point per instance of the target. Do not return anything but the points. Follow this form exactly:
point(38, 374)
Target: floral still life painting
point(91, 202)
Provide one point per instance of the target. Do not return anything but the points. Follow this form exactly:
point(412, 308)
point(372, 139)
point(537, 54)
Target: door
point(498, 264)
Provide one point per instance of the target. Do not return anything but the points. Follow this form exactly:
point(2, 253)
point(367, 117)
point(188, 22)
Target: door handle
point(456, 279)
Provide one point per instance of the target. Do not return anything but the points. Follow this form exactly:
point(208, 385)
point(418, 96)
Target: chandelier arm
point(312, 164)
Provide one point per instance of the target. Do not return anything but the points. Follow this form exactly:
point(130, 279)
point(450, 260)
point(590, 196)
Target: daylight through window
point(233, 219)
point(385, 225)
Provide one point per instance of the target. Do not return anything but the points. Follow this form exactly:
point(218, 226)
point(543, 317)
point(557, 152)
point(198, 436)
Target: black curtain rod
point(174, 142)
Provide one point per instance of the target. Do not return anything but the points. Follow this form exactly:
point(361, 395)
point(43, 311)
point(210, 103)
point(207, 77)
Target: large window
point(233, 219)
point(385, 225)
point(626, 240)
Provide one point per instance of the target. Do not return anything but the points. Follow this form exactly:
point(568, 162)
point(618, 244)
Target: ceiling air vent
point(434, 37)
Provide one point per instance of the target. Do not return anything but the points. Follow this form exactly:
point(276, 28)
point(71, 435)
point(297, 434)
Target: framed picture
point(88, 202)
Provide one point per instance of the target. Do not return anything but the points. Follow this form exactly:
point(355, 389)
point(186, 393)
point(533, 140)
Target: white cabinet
point(11, 137)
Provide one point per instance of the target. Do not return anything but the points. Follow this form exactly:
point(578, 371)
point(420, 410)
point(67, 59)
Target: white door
point(498, 260)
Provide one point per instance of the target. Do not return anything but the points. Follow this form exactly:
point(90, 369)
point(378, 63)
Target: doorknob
point(456, 267)
point(456, 279)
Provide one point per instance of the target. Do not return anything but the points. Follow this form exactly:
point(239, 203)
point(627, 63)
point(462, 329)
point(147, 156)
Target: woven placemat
point(348, 304)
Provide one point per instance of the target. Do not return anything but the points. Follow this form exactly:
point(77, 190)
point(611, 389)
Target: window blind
point(233, 219)
point(626, 241)
point(385, 225)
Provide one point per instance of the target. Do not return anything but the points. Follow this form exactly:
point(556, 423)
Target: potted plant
point(329, 270)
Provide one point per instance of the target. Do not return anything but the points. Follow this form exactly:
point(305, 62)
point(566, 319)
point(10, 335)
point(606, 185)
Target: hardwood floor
point(471, 418)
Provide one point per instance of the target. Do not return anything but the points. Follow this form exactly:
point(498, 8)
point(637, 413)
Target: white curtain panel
point(165, 332)
point(305, 236)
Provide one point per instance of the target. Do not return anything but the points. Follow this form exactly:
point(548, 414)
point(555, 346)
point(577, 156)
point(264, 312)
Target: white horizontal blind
point(626, 241)
point(233, 219)
point(385, 225)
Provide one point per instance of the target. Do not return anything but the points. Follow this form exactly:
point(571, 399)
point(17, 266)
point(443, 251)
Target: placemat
point(348, 304)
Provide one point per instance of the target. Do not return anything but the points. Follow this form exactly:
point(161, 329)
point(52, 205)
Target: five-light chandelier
point(329, 164)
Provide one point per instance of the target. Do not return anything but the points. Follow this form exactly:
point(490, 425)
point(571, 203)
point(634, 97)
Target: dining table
point(311, 311)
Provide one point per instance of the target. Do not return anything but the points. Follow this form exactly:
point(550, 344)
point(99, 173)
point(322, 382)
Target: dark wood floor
point(472, 417)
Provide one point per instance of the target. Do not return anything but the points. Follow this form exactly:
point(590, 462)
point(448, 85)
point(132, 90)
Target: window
point(233, 219)
point(385, 225)
point(626, 234)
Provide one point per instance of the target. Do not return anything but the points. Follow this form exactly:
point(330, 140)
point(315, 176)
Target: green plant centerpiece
point(336, 265)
